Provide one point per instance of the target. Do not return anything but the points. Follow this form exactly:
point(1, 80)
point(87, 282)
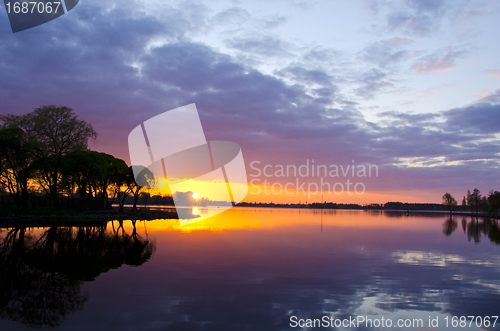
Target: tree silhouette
point(15, 162)
point(135, 186)
point(474, 200)
point(49, 146)
point(93, 175)
point(52, 132)
point(494, 203)
point(449, 201)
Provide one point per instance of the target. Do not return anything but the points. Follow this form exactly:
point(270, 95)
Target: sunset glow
point(249, 165)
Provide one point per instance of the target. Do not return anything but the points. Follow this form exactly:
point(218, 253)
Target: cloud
point(424, 17)
point(237, 17)
point(303, 75)
point(413, 25)
point(128, 66)
point(408, 118)
point(231, 16)
point(489, 97)
point(274, 21)
point(480, 118)
point(397, 41)
point(439, 61)
point(465, 14)
point(372, 82)
point(387, 53)
point(432, 92)
point(427, 6)
point(492, 73)
point(417, 17)
point(263, 45)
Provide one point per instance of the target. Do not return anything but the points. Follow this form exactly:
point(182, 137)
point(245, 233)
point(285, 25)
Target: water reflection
point(252, 269)
point(42, 271)
point(474, 229)
point(449, 226)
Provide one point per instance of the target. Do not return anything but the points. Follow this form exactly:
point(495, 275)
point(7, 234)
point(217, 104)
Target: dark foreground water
point(254, 269)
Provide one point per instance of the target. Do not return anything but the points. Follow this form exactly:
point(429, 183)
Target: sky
point(412, 87)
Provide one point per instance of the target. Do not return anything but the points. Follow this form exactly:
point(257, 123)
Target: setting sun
point(196, 195)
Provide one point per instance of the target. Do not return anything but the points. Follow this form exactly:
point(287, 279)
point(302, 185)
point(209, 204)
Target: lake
point(255, 269)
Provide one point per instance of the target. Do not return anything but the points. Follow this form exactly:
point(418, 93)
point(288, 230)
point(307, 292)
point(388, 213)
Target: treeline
point(373, 206)
point(46, 151)
point(386, 206)
point(475, 202)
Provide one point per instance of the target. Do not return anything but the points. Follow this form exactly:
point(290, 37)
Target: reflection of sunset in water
point(267, 218)
point(278, 262)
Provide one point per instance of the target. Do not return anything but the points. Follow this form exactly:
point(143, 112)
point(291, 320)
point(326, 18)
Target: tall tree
point(16, 161)
point(449, 201)
point(474, 200)
point(494, 203)
point(54, 132)
point(136, 186)
point(464, 204)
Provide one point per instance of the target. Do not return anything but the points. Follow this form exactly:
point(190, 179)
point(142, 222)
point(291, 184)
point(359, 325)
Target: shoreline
point(64, 217)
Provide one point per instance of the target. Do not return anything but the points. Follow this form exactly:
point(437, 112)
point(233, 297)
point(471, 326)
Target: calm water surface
point(250, 269)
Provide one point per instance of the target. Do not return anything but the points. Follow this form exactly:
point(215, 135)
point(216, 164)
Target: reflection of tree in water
point(40, 278)
point(494, 232)
point(449, 226)
point(30, 295)
point(475, 229)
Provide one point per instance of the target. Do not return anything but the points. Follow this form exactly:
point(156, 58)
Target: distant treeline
point(404, 206)
point(473, 202)
point(387, 206)
point(373, 206)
